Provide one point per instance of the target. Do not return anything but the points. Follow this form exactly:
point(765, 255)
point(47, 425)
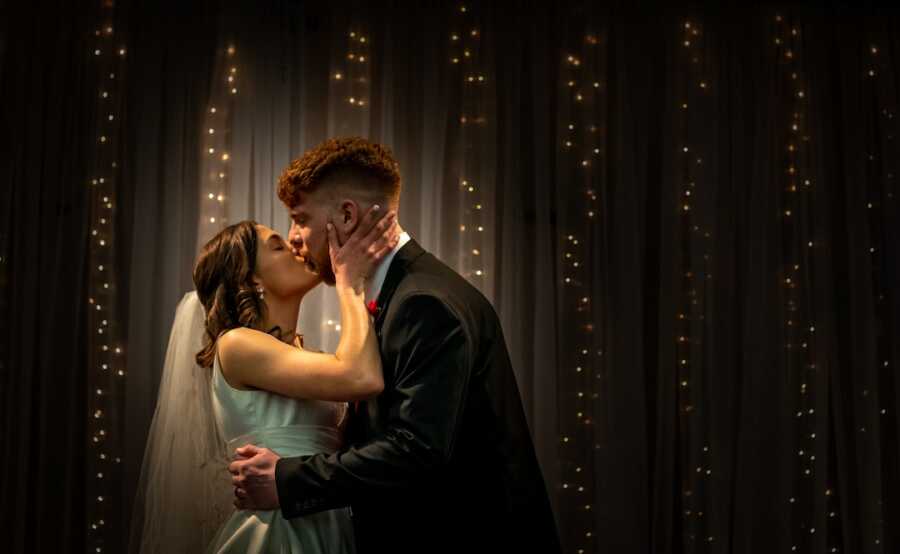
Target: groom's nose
point(295, 240)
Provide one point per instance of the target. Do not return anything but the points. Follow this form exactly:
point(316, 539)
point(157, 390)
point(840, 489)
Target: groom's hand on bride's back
point(253, 477)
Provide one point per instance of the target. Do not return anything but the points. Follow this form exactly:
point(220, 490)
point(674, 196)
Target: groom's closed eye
point(299, 218)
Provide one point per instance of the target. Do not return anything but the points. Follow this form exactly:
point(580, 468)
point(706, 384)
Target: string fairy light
point(106, 349)
point(798, 197)
point(878, 207)
point(350, 83)
point(582, 126)
point(216, 166)
point(695, 452)
point(467, 58)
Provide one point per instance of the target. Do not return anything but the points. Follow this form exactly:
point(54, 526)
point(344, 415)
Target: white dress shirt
point(376, 281)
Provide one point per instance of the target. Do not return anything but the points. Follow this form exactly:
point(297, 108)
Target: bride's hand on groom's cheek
point(253, 478)
point(356, 259)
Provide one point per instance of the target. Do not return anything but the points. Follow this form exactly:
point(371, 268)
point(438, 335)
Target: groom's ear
point(348, 218)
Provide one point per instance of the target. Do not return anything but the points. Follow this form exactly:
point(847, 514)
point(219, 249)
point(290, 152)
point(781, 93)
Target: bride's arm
point(256, 359)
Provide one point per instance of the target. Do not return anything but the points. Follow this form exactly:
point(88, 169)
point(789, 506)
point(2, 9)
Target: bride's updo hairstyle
point(223, 277)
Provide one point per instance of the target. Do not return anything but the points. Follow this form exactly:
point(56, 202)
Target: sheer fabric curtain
point(686, 228)
point(273, 81)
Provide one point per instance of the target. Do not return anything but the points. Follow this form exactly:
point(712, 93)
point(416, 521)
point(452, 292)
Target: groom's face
point(308, 235)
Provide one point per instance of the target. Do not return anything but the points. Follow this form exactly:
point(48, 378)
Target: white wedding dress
point(289, 427)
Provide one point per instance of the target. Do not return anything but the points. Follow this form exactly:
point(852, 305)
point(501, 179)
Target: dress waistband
point(291, 440)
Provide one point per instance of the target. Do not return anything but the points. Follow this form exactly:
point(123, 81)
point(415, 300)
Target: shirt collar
point(375, 282)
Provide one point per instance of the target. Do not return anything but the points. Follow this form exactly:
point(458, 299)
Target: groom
point(442, 460)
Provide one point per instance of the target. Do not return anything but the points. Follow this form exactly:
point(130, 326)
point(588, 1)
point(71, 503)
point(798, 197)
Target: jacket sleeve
point(426, 347)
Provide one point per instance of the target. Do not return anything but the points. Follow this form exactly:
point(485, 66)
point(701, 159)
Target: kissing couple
point(411, 437)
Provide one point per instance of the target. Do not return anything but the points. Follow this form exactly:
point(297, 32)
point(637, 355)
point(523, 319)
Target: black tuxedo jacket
point(442, 460)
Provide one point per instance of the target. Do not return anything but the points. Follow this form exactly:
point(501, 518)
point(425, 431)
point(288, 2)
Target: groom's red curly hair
point(371, 167)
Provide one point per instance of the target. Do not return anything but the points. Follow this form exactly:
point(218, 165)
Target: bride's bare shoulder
point(240, 346)
point(241, 340)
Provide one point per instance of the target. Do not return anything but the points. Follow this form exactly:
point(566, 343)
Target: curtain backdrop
point(47, 108)
point(684, 220)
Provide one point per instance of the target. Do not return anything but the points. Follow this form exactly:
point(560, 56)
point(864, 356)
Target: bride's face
point(280, 273)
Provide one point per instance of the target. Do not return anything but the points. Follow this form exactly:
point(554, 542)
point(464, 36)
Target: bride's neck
point(283, 313)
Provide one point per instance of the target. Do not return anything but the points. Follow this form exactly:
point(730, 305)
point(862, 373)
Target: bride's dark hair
point(223, 277)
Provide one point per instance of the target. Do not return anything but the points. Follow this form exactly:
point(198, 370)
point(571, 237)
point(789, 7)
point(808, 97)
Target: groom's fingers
point(247, 451)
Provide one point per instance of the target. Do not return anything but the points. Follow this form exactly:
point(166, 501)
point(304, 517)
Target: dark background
point(717, 374)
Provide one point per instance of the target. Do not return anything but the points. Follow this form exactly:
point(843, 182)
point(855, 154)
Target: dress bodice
point(288, 426)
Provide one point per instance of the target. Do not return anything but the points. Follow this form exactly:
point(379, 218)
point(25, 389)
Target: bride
point(237, 373)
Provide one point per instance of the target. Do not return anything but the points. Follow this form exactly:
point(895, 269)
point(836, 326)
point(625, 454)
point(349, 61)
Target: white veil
point(184, 493)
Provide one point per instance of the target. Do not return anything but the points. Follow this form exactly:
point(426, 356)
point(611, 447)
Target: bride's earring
point(261, 293)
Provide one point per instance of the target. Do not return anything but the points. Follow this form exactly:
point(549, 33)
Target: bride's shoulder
point(250, 345)
point(239, 339)
point(234, 337)
point(239, 351)
point(239, 344)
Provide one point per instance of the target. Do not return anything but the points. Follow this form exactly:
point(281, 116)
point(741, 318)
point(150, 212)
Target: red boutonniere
point(373, 308)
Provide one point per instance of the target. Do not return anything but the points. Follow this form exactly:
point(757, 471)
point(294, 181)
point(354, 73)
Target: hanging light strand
point(107, 361)
point(217, 163)
point(583, 149)
point(696, 98)
point(467, 59)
